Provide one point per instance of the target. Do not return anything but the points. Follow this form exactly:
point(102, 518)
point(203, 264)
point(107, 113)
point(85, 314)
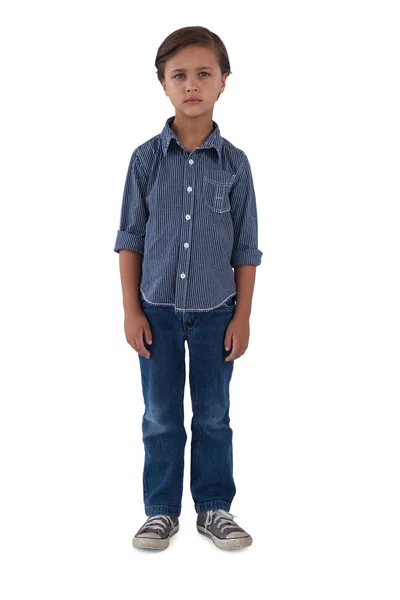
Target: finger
point(147, 335)
point(142, 348)
point(134, 344)
point(228, 341)
point(233, 354)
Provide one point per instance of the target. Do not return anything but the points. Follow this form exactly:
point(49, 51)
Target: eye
point(205, 72)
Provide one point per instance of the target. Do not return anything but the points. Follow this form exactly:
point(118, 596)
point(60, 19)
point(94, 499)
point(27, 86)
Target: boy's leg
point(211, 475)
point(164, 435)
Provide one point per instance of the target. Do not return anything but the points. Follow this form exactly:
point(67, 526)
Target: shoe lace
point(222, 519)
point(158, 522)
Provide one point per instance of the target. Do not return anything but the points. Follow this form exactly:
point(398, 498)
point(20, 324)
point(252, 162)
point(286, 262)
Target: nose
point(191, 85)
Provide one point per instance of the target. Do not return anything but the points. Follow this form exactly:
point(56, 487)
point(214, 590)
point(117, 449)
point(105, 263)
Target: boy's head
point(193, 61)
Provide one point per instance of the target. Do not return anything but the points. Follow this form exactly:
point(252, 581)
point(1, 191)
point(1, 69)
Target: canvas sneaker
point(222, 529)
point(156, 532)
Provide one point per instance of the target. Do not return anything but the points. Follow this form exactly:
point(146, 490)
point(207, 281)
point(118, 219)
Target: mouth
point(192, 101)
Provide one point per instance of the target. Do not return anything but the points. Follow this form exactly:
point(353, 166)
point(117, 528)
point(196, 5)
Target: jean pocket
point(229, 304)
point(216, 186)
point(142, 301)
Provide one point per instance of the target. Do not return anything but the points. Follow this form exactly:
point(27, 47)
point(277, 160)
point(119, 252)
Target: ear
point(223, 83)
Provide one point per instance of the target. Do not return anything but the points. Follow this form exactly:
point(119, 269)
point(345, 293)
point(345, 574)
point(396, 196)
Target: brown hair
point(191, 36)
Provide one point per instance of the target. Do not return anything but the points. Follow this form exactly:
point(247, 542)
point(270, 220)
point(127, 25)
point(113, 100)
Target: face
point(193, 71)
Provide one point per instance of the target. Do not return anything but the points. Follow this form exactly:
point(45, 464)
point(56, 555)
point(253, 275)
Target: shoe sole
point(229, 544)
point(154, 543)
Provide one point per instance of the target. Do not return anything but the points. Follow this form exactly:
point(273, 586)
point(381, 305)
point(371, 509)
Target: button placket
point(189, 189)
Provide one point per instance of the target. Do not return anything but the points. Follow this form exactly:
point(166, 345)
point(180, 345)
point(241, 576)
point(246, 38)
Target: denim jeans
point(164, 436)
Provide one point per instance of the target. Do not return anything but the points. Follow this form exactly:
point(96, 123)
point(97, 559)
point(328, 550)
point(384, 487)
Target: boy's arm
point(131, 234)
point(130, 266)
point(246, 255)
point(245, 276)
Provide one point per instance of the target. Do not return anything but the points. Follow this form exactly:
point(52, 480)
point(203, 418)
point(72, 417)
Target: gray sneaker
point(156, 532)
point(222, 529)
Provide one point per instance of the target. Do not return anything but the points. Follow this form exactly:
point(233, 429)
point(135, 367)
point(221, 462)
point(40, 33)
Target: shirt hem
point(187, 309)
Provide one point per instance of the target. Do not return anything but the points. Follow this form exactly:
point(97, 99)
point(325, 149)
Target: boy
point(188, 218)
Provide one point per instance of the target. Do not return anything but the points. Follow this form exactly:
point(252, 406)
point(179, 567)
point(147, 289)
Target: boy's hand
point(237, 333)
point(135, 324)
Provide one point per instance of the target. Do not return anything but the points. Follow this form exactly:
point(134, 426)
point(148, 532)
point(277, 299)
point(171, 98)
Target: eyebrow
point(210, 68)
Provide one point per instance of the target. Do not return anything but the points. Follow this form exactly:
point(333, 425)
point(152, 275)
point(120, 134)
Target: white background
point(313, 99)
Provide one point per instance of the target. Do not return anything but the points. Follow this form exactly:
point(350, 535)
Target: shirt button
point(189, 189)
point(191, 161)
point(186, 245)
point(187, 217)
point(183, 275)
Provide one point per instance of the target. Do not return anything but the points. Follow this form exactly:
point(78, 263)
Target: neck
point(192, 132)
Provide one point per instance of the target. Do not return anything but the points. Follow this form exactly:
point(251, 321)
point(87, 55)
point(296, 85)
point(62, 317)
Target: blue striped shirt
point(193, 217)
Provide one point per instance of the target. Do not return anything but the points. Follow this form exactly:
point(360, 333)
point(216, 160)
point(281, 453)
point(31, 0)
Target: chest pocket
point(215, 189)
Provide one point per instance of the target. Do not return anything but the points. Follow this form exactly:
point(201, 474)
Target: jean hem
point(172, 511)
point(212, 505)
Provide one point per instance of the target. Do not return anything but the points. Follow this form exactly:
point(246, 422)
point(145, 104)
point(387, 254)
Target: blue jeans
point(164, 435)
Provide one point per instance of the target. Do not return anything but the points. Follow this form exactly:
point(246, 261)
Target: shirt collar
point(214, 140)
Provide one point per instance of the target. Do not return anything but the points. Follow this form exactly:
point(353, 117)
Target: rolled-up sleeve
point(244, 217)
point(134, 214)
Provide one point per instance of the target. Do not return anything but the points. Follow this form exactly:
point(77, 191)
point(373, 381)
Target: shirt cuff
point(250, 256)
point(129, 241)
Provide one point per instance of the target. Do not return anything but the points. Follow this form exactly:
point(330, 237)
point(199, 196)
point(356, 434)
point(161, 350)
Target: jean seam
point(183, 378)
point(163, 506)
point(216, 504)
point(196, 452)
